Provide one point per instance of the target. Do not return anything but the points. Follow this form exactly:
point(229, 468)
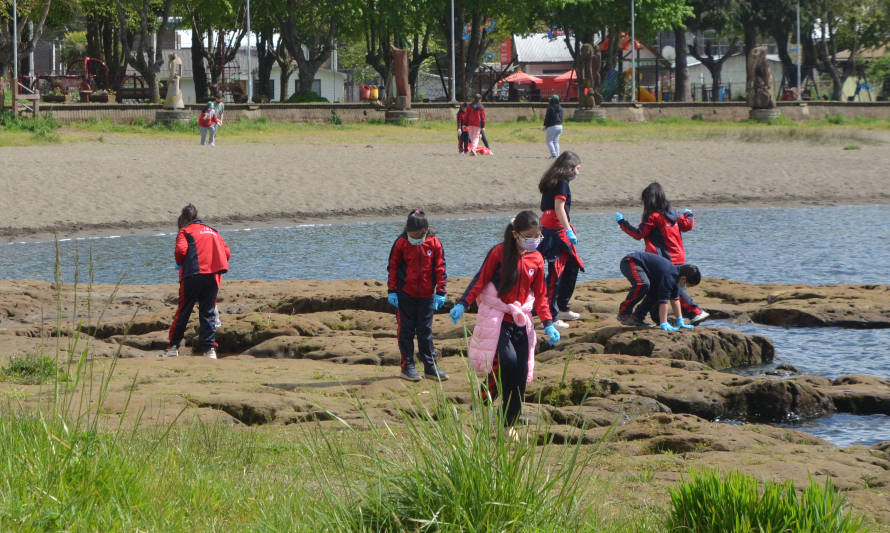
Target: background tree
point(310, 28)
point(29, 11)
point(722, 16)
point(138, 22)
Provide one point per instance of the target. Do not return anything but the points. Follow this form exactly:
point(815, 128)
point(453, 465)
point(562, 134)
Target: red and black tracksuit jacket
point(476, 116)
point(418, 271)
point(662, 233)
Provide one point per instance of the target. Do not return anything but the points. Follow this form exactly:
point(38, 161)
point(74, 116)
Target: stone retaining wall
point(495, 112)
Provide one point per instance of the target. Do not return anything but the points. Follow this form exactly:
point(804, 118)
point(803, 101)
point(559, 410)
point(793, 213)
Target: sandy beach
point(128, 184)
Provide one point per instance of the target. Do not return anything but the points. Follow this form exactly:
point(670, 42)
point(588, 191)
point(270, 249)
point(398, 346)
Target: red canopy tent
point(566, 76)
point(521, 77)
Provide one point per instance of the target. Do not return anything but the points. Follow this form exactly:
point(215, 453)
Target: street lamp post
point(249, 73)
point(453, 67)
point(799, 54)
point(15, 49)
point(633, 49)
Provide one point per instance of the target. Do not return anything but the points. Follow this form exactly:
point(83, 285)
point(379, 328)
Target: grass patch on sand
point(830, 131)
point(23, 131)
point(30, 369)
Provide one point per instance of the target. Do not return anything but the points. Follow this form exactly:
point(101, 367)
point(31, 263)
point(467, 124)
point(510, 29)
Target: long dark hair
point(417, 222)
point(189, 214)
point(654, 200)
point(509, 275)
point(560, 170)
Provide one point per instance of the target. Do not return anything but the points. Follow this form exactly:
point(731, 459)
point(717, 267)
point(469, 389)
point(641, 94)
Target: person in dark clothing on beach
point(656, 281)
point(553, 126)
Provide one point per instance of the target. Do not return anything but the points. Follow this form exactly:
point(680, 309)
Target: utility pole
point(453, 67)
point(799, 55)
point(249, 73)
point(633, 49)
point(15, 49)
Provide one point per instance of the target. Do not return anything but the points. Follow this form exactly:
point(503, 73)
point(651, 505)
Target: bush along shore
point(303, 424)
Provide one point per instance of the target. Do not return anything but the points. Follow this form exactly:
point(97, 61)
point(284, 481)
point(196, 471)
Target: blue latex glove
point(456, 312)
point(553, 333)
point(393, 299)
point(667, 326)
point(619, 217)
point(176, 266)
point(688, 212)
point(570, 233)
point(681, 324)
point(438, 301)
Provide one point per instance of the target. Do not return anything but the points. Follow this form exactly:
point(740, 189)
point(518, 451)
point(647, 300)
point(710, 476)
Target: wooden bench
point(34, 98)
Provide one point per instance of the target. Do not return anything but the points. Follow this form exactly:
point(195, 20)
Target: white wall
point(735, 70)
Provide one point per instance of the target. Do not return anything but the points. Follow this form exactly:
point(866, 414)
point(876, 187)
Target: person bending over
point(654, 283)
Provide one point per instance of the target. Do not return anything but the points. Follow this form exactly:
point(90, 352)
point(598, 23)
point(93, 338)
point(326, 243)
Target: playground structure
point(90, 74)
point(223, 71)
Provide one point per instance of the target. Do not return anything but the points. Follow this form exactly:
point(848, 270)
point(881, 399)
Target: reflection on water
point(813, 245)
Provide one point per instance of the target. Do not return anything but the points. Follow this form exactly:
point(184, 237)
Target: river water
point(812, 245)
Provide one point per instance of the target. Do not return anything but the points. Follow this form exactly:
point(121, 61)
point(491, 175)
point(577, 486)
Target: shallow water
point(812, 245)
point(815, 245)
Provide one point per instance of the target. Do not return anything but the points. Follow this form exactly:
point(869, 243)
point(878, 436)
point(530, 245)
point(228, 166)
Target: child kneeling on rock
point(655, 280)
point(509, 285)
point(417, 290)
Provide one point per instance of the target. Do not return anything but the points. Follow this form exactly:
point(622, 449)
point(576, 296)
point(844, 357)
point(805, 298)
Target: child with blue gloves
point(417, 290)
point(510, 283)
point(655, 281)
point(558, 246)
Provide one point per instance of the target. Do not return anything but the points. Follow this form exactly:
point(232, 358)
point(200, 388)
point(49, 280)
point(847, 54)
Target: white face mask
point(417, 242)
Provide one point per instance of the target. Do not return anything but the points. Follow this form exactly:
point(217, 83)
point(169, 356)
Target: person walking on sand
point(553, 126)
point(662, 230)
point(656, 281)
point(508, 286)
point(417, 290)
point(558, 246)
point(476, 122)
point(207, 121)
point(202, 258)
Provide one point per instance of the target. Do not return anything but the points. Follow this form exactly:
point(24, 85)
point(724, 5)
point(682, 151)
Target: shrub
point(305, 97)
point(709, 502)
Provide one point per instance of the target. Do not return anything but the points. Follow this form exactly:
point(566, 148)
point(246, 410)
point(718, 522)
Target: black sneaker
point(631, 320)
point(410, 374)
point(435, 373)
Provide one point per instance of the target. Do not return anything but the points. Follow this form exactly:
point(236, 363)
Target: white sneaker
point(511, 435)
point(212, 144)
point(172, 352)
point(210, 354)
point(701, 317)
point(559, 324)
point(568, 315)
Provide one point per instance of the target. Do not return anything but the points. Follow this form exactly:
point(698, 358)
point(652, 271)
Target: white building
point(734, 74)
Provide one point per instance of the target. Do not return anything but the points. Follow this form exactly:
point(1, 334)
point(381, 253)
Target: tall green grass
point(710, 503)
point(42, 129)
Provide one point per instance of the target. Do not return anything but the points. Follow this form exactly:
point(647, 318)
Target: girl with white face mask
point(417, 290)
point(507, 287)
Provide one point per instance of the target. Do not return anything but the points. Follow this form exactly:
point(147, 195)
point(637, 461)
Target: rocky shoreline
point(306, 351)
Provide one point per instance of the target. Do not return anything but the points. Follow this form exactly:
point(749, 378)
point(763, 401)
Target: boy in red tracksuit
point(463, 129)
point(661, 229)
point(417, 290)
point(202, 258)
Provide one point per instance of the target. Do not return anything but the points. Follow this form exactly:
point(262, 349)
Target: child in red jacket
point(476, 122)
point(202, 258)
point(662, 229)
point(417, 290)
point(207, 121)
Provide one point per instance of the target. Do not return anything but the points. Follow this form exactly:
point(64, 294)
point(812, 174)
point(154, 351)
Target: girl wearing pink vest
point(510, 283)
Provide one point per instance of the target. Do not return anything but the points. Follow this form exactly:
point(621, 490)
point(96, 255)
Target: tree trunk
point(682, 92)
point(199, 73)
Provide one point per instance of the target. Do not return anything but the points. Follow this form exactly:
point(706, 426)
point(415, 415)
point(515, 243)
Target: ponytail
point(509, 268)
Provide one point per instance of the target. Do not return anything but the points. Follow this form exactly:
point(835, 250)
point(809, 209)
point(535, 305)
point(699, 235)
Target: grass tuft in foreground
point(708, 502)
point(30, 369)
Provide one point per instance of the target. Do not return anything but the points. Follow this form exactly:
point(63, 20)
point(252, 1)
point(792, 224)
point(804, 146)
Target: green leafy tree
point(310, 29)
point(29, 11)
point(138, 21)
point(723, 16)
point(218, 27)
